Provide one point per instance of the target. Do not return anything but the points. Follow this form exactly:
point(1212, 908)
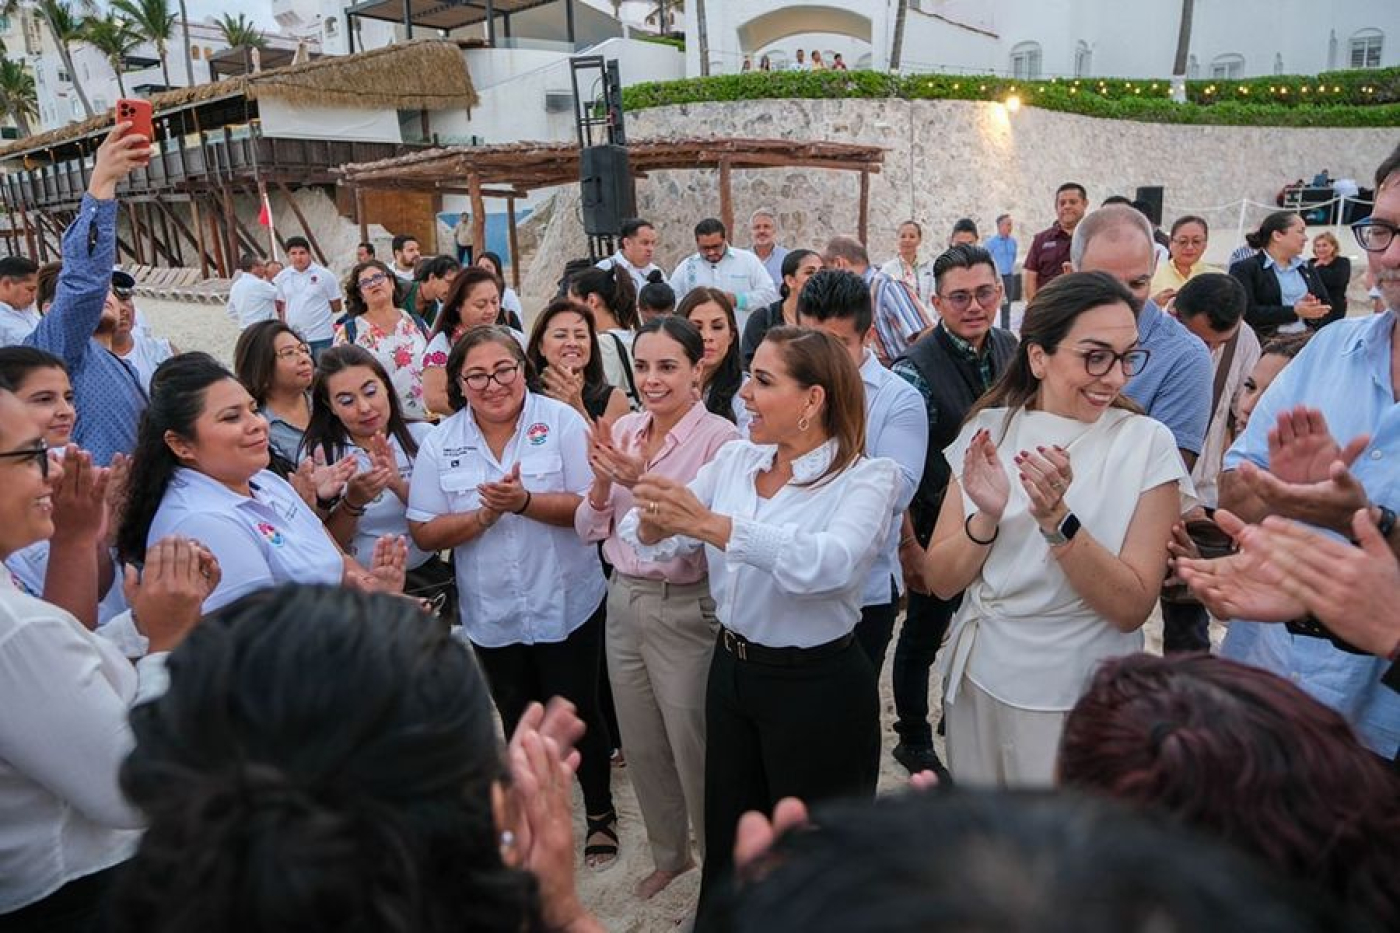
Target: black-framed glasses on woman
point(1374, 236)
point(372, 280)
point(501, 375)
point(38, 452)
point(286, 353)
point(987, 296)
point(1100, 362)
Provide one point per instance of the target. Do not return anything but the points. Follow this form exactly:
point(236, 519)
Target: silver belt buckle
point(735, 645)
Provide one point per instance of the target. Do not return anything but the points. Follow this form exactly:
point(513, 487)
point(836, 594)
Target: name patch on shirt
point(271, 534)
point(537, 434)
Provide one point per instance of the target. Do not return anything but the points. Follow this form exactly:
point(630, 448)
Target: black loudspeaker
point(1150, 197)
point(609, 194)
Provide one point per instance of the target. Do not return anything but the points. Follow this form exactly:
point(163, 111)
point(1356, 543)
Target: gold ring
point(651, 507)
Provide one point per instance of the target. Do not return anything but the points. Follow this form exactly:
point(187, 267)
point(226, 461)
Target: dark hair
point(962, 256)
point(17, 267)
point(402, 240)
point(965, 225)
point(1246, 756)
point(1001, 217)
point(495, 260)
point(835, 294)
point(1031, 861)
point(255, 359)
point(178, 389)
point(614, 287)
point(325, 429)
point(19, 361)
point(1277, 222)
point(1287, 346)
point(791, 263)
point(475, 336)
point(48, 284)
point(298, 242)
point(354, 301)
point(1389, 167)
point(435, 267)
point(1189, 219)
point(911, 223)
point(1220, 297)
point(678, 329)
point(657, 295)
point(367, 247)
point(1116, 199)
point(728, 377)
point(631, 227)
point(709, 227)
point(814, 358)
point(247, 261)
point(1049, 318)
point(1073, 186)
point(323, 759)
point(595, 383)
point(450, 317)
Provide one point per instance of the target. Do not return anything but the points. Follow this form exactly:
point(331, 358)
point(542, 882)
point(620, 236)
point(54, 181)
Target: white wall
point(284, 120)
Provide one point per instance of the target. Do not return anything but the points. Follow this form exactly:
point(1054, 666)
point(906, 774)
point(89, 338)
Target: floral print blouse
point(401, 354)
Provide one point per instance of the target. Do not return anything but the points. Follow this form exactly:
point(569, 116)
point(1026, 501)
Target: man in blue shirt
point(1346, 378)
point(106, 390)
point(1002, 246)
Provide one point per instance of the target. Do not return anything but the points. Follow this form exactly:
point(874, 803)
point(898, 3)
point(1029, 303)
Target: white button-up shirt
point(896, 427)
point(795, 568)
point(522, 581)
point(16, 324)
point(65, 694)
point(307, 297)
point(639, 275)
point(738, 272)
point(268, 539)
point(251, 299)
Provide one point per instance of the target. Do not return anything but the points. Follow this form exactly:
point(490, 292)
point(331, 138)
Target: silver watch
point(1064, 532)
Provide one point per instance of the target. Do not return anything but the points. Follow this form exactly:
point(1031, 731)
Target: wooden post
point(158, 244)
point(28, 232)
point(136, 234)
point(219, 258)
point(360, 217)
point(478, 214)
point(231, 222)
point(199, 237)
point(726, 200)
point(514, 245)
point(863, 223)
point(301, 218)
point(196, 241)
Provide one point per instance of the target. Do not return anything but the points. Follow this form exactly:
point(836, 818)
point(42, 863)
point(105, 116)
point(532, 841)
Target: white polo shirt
point(268, 539)
point(522, 582)
point(386, 514)
point(308, 296)
point(639, 274)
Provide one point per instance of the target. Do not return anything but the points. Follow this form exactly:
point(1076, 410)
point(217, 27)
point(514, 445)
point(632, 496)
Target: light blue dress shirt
point(896, 426)
point(1290, 281)
point(1345, 372)
point(1003, 250)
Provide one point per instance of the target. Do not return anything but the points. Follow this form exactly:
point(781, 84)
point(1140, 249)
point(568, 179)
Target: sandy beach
point(607, 892)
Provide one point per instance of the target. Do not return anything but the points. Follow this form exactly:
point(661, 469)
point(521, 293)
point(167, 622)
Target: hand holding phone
point(140, 114)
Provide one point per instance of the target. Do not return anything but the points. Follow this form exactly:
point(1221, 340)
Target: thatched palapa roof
point(427, 74)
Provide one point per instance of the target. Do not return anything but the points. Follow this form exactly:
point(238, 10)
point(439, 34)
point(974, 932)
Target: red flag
point(264, 214)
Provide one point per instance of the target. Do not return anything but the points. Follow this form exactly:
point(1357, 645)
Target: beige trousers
point(660, 639)
point(991, 744)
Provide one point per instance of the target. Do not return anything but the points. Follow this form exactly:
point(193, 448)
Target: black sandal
point(605, 825)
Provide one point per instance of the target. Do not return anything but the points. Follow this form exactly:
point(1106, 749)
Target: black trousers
point(521, 674)
point(811, 732)
point(1185, 627)
point(77, 907)
point(925, 626)
point(876, 627)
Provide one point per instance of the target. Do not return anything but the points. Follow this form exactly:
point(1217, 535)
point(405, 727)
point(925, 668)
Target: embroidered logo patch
point(537, 433)
point(270, 532)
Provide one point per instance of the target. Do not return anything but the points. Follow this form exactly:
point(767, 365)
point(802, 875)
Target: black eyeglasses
point(986, 296)
point(1100, 362)
point(373, 280)
point(501, 375)
point(37, 452)
point(1374, 235)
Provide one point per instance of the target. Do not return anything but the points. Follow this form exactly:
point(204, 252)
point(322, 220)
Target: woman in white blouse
point(1056, 527)
point(65, 692)
point(499, 482)
point(791, 524)
point(200, 470)
point(907, 267)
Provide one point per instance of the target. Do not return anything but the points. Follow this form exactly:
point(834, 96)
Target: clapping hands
point(984, 478)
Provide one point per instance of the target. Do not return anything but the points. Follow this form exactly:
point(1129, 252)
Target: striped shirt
point(899, 318)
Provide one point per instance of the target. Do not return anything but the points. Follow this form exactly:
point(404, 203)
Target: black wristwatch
point(325, 505)
point(1064, 532)
point(1386, 523)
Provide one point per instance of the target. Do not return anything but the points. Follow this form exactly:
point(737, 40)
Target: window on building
point(1083, 60)
point(332, 27)
point(4, 23)
point(1366, 48)
point(63, 75)
point(1230, 65)
point(194, 52)
point(1025, 61)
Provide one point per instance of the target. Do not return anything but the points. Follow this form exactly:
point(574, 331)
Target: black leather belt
point(745, 650)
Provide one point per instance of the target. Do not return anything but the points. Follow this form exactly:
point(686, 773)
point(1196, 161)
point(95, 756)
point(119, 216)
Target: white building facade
point(1066, 38)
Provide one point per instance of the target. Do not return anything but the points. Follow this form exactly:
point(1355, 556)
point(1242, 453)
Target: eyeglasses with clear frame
point(986, 296)
point(501, 375)
point(38, 452)
point(1100, 362)
point(1373, 235)
point(286, 353)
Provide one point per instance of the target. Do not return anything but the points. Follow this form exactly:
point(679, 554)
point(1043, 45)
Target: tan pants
point(660, 639)
point(993, 744)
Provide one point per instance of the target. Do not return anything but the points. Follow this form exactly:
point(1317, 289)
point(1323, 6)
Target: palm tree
point(17, 94)
point(66, 26)
point(115, 39)
point(241, 33)
point(901, 12)
point(702, 37)
point(153, 19)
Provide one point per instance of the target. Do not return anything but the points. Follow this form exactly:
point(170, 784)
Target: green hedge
point(1353, 98)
